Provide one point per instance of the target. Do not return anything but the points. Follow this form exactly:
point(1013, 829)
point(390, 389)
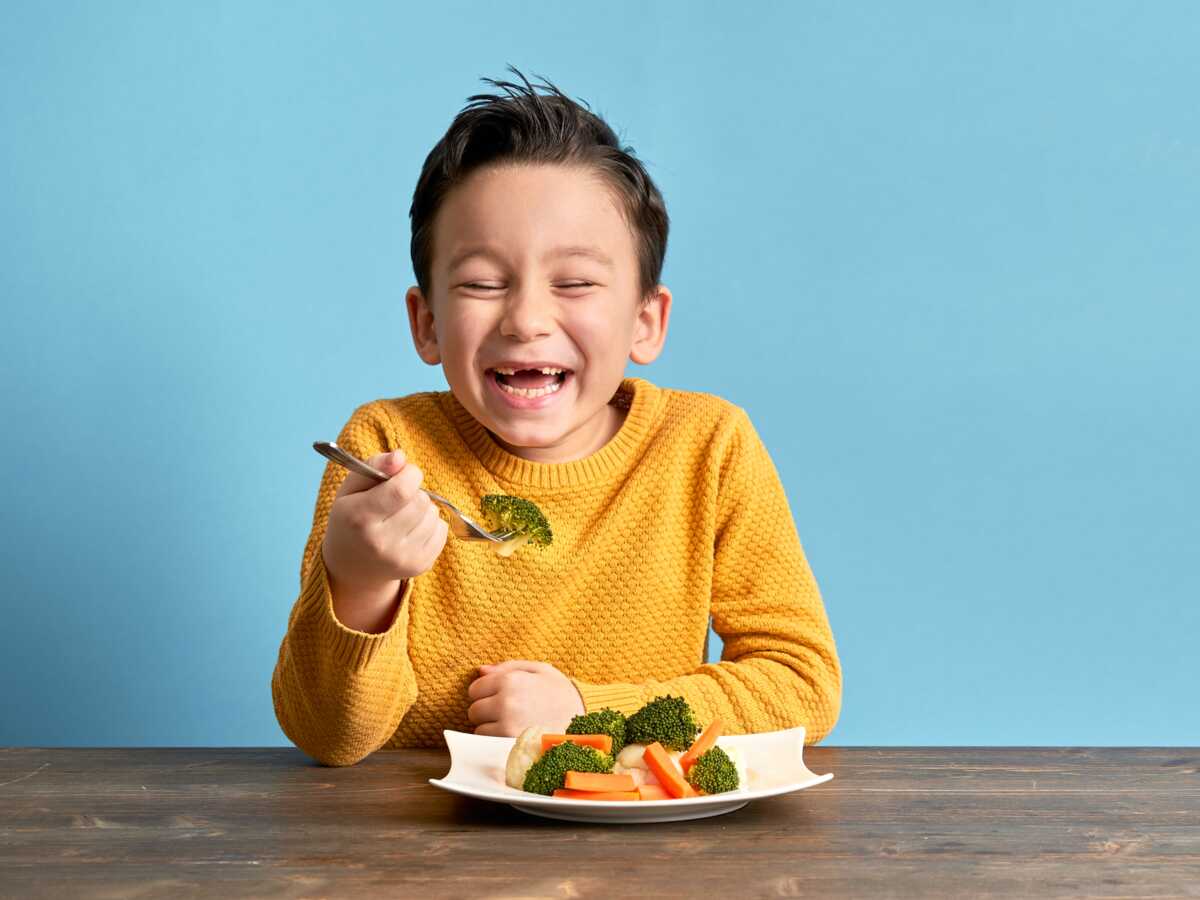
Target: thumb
point(388, 463)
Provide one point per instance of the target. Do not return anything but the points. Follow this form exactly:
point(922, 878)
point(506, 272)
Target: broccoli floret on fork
point(504, 513)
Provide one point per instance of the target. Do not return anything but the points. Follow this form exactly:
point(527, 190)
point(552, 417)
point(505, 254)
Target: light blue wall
point(946, 254)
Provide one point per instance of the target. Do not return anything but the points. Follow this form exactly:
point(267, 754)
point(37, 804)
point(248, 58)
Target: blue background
point(945, 255)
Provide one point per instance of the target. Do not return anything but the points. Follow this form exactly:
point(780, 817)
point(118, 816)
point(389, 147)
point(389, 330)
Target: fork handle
point(336, 454)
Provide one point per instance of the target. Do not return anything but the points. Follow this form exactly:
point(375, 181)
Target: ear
point(650, 330)
point(420, 320)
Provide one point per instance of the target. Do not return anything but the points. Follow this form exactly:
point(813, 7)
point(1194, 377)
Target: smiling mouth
point(530, 382)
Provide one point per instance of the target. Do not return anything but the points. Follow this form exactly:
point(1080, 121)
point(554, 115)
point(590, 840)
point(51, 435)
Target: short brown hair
point(527, 123)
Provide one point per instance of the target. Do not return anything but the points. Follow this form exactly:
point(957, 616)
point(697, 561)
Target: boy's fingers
point(484, 686)
point(436, 540)
point(387, 463)
point(412, 531)
point(386, 499)
point(493, 729)
point(412, 523)
point(485, 710)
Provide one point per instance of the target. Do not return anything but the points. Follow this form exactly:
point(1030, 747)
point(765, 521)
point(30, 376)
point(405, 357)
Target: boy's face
point(535, 268)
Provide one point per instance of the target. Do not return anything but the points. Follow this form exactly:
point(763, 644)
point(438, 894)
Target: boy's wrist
point(369, 609)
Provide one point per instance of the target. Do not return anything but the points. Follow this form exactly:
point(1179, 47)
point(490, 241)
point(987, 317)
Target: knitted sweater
point(679, 518)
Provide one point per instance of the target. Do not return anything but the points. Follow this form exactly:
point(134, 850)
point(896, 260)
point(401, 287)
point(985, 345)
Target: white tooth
point(530, 392)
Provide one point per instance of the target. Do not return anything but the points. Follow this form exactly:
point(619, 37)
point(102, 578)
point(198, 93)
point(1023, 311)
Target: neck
point(584, 441)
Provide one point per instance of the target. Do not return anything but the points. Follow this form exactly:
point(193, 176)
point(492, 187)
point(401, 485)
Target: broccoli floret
point(713, 773)
point(602, 721)
point(668, 720)
point(522, 517)
point(549, 772)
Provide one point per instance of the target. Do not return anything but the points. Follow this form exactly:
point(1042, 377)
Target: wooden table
point(893, 822)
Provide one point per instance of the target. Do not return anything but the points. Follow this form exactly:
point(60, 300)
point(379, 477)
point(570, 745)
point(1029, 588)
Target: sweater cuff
point(625, 698)
point(351, 648)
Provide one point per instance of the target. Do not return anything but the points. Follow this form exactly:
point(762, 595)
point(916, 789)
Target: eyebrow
point(592, 253)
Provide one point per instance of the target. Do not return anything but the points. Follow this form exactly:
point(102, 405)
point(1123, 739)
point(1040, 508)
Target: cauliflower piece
point(630, 761)
point(639, 776)
point(524, 753)
point(630, 757)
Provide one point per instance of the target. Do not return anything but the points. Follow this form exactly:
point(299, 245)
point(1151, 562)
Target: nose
point(528, 314)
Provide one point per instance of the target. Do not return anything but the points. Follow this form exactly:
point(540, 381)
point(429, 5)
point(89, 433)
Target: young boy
point(538, 243)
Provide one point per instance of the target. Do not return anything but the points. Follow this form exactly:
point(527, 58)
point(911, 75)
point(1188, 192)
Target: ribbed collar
point(644, 401)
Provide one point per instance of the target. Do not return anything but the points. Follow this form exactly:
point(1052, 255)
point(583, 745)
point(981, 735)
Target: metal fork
point(461, 525)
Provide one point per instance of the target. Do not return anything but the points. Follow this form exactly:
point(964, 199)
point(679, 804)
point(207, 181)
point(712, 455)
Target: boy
point(538, 243)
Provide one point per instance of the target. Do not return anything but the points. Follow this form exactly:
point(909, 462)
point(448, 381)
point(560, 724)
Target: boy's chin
point(527, 437)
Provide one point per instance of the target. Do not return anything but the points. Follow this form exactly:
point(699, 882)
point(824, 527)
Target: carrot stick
point(597, 781)
point(652, 792)
point(664, 770)
point(601, 742)
point(702, 744)
point(596, 795)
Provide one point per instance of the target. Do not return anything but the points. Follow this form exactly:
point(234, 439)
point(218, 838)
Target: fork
point(461, 525)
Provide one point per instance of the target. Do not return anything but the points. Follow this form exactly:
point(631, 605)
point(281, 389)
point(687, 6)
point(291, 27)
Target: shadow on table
point(759, 814)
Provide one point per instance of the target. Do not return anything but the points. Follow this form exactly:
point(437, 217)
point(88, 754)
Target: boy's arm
point(779, 668)
point(339, 693)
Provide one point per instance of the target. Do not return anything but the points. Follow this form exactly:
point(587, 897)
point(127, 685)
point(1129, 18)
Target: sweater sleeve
point(340, 694)
point(779, 667)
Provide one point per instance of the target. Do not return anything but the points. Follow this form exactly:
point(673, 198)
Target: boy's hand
point(510, 696)
point(379, 534)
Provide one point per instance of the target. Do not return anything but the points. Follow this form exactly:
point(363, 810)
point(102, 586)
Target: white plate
point(774, 765)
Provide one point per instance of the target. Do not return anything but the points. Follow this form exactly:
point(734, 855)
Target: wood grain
point(940, 822)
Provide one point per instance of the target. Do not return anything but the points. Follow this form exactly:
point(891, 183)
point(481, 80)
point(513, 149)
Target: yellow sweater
point(681, 516)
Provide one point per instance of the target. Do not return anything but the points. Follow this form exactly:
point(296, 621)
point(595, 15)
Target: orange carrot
point(596, 795)
point(702, 744)
point(601, 742)
point(664, 770)
point(597, 781)
point(652, 792)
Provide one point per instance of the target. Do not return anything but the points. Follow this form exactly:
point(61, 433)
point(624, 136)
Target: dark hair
point(527, 123)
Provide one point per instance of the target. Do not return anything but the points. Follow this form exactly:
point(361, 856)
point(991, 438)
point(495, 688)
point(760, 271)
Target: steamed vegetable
point(664, 770)
point(602, 721)
point(592, 781)
point(652, 792)
point(713, 773)
point(601, 742)
point(596, 795)
point(504, 513)
point(550, 771)
point(704, 743)
point(524, 753)
point(666, 720)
